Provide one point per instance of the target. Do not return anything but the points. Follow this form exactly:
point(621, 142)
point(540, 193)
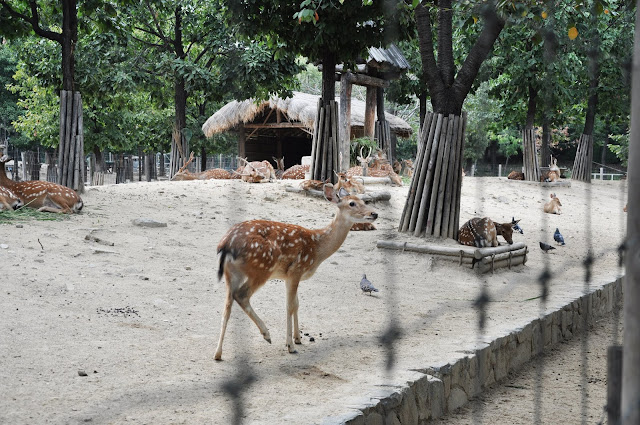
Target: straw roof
point(299, 108)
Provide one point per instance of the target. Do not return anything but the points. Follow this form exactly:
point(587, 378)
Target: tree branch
point(446, 64)
point(33, 20)
point(429, 66)
point(483, 45)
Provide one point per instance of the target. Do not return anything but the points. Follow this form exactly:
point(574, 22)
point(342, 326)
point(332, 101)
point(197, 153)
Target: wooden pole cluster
point(71, 147)
point(584, 156)
point(383, 136)
point(529, 155)
point(324, 148)
point(433, 202)
point(179, 146)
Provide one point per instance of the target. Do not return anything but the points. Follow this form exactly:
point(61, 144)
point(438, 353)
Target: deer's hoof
point(292, 349)
point(218, 356)
point(297, 341)
point(267, 337)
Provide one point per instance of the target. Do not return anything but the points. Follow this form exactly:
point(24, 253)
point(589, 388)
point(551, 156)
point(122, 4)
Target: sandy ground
point(141, 317)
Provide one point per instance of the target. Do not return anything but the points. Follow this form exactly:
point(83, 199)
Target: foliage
point(10, 111)
point(621, 149)
point(483, 115)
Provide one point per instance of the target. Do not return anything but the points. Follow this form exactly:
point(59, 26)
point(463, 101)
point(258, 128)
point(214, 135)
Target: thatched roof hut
point(299, 111)
point(283, 127)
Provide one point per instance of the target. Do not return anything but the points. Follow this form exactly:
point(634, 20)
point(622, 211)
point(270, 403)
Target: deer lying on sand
point(553, 206)
point(353, 185)
point(214, 173)
point(44, 196)
point(515, 175)
point(553, 175)
point(483, 232)
point(295, 172)
point(380, 167)
point(253, 252)
point(256, 171)
point(8, 200)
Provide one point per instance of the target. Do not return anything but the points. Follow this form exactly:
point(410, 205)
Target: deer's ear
point(342, 192)
point(329, 193)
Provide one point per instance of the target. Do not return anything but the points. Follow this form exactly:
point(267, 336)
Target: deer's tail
point(223, 256)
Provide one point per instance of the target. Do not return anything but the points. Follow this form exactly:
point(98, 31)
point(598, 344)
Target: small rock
point(147, 222)
point(312, 339)
point(269, 199)
point(4, 246)
point(82, 373)
point(19, 226)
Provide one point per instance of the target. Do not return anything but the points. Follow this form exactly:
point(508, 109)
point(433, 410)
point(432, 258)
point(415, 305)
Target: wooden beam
point(370, 112)
point(276, 125)
point(365, 80)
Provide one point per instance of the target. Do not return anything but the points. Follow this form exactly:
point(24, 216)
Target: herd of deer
point(41, 195)
point(259, 171)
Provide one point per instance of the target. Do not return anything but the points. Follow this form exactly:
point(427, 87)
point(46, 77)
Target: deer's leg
point(225, 318)
point(292, 314)
point(242, 296)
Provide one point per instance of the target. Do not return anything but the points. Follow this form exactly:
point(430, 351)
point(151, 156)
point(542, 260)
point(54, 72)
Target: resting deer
point(553, 175)
point(516, 175)
point(350, 184)
point(256, 171)
point(279, 166)
point(253, 252)
point(45, 196)
point(553, 206)
point(214, 173)
point(380, 167)
point(296, 172)
point(483, 232)
point(8, 200)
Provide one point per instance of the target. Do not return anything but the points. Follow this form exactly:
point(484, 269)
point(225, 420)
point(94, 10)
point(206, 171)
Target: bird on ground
point(546, 247)
point(557, 236)
point(516, 226)
point(367, 286)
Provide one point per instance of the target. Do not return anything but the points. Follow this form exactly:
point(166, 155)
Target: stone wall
point(438, 390)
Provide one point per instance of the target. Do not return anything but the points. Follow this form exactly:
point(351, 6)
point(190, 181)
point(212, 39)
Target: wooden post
point(614, 383)
point(630, 408)
point(584, 157)
point(370, 112)
point(345, 119)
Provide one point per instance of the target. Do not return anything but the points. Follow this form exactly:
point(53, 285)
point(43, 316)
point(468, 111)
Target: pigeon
point(367, 286)
point(545, 247)
point(557, 236)
point(516, 226)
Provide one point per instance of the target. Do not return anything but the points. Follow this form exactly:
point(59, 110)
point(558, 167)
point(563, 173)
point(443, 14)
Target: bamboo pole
point(458, 178)
point(442, 186)
point(436, 121)
point(408, 206)
point(451, 173)
point(428, 182)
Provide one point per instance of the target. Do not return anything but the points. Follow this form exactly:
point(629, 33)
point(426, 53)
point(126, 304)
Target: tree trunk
point(545, 149)
point(433, 203)
point(584, 155)
point(69, 39)
point(529, 154)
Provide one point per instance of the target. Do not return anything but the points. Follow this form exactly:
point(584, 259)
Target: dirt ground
point(138, 309)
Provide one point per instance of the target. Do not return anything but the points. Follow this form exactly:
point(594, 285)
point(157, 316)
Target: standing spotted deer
point(483, 232)
point(253, 252)
point(44, 196)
